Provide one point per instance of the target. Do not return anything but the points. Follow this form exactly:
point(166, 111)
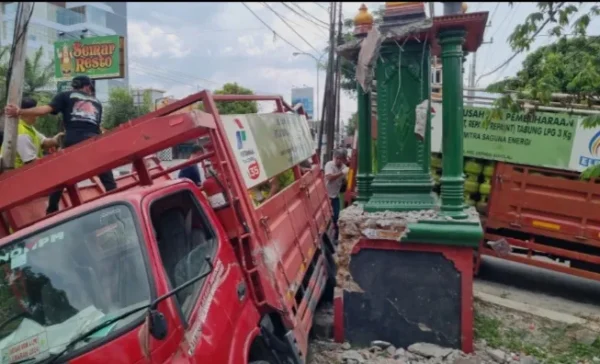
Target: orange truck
point(161, 270)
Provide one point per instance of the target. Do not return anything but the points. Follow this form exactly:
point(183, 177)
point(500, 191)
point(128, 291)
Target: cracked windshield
point(61, 282)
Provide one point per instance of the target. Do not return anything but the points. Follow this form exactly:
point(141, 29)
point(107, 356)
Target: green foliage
point(352, 124)
point(235, 107)
point(121, 107)
point(570, 65)
point(36, 74)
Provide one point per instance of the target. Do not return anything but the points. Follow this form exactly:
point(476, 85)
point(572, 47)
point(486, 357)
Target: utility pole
point(472, 71)
point(328, 101)
point(15, 87)
point(338, 79)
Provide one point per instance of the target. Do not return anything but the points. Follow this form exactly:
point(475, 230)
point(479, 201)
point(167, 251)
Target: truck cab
point(158, 270)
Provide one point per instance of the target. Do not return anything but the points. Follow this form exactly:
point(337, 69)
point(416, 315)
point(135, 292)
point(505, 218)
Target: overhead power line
point(309, 14)
point(289, 26)
point(271, 29)
point(321, 6)
point(315, 30)
point(516, 53)
point(304, 17)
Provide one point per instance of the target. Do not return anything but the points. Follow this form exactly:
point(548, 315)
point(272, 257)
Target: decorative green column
point(364, 176)
point(452, 181)
point(403, 181)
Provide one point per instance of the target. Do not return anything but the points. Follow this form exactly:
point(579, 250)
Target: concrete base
point(410, 293)
point(404, 292)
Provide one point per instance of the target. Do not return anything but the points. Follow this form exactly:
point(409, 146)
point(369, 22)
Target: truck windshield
point(62, 281)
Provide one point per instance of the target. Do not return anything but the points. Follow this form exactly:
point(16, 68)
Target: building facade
point(53, 21)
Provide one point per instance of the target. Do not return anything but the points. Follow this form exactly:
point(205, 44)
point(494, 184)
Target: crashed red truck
point(160, 270)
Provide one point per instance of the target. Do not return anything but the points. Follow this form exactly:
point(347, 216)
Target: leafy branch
point(569, 67)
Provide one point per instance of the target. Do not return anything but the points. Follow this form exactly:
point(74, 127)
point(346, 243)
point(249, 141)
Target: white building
point(155, 96)
point(53, 21)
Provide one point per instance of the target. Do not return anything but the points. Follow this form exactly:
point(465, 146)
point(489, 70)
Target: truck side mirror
point(157, 325)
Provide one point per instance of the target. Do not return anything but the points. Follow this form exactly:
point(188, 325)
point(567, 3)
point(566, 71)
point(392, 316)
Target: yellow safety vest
point(26, 129)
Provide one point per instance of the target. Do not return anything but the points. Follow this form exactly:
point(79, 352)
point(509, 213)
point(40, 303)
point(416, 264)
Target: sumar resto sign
point(96, 57)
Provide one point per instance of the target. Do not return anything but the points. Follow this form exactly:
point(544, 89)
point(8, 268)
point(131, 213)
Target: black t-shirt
point(81, 113)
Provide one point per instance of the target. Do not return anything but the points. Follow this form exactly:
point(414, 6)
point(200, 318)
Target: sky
point(185, 47)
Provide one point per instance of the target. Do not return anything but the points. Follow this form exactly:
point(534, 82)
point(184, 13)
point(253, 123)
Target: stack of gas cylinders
point(478, 180)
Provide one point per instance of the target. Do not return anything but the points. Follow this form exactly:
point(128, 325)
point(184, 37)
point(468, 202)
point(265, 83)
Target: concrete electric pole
point(15, 86)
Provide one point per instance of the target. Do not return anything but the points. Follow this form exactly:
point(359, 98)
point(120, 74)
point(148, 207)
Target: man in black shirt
point(81, 114)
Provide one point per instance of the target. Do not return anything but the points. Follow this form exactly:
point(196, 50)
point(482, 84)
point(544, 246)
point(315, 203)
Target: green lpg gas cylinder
point(472, 170)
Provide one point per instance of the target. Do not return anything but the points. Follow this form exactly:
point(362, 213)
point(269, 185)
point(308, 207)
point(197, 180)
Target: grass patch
point(551, 344)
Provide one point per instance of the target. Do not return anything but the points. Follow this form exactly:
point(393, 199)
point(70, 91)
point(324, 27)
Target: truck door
point(186, 234)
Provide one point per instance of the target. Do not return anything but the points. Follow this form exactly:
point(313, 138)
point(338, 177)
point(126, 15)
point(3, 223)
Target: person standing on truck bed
point(31, 142)
point(81, 114)
point(192, 172)
point(335, 172)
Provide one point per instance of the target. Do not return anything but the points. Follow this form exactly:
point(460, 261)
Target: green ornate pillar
point(452, 181)
point(403, 181)
point(364, 177)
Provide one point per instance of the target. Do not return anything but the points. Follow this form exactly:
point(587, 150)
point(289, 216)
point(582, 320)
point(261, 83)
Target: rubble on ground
point(381, 352)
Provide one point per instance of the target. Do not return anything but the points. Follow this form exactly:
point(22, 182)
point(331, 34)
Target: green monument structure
point(405, 260)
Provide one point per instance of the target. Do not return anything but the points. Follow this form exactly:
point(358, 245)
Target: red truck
point(161, 270)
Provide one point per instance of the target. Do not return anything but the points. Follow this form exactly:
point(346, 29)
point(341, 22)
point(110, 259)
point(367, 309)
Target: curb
point(533, 310)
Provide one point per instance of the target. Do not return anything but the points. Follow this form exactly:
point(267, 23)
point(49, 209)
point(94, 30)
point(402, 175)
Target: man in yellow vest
point(31, 142)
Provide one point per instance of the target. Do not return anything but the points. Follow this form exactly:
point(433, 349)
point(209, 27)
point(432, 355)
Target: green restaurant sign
point(96, 57)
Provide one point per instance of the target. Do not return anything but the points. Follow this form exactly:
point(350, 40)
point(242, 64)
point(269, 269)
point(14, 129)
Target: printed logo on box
point(594, 150)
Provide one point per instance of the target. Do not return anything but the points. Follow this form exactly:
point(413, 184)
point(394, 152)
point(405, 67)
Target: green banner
point(96, 57)
point(63, 86)
point(540, 139)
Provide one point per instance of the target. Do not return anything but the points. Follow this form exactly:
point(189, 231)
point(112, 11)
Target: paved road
point(545, 288)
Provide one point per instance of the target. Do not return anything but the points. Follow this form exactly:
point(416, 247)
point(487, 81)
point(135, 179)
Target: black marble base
point(409, 297)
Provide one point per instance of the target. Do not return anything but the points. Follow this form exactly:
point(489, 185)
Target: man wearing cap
point(81, 114)
point(335, 172)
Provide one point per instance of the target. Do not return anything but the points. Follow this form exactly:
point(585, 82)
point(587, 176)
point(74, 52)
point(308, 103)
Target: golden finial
point(363, 17)
point(464, 7)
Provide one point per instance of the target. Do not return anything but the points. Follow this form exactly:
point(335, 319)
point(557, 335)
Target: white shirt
point(27, 150)
point(333, 186)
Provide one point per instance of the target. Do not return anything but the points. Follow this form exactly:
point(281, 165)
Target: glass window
point(61, 282)
point(96, 16)
point(10, 8)
point(184, 240)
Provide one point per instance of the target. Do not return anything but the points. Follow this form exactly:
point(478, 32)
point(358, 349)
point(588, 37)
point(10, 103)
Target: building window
point(10, 8)
point(95, 16)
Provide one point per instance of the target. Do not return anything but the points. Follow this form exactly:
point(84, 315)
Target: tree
point(120, 108)
point(146, 106)
point(37, 75)
point(352, 124)
point(568, 66)
point(236, 107)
